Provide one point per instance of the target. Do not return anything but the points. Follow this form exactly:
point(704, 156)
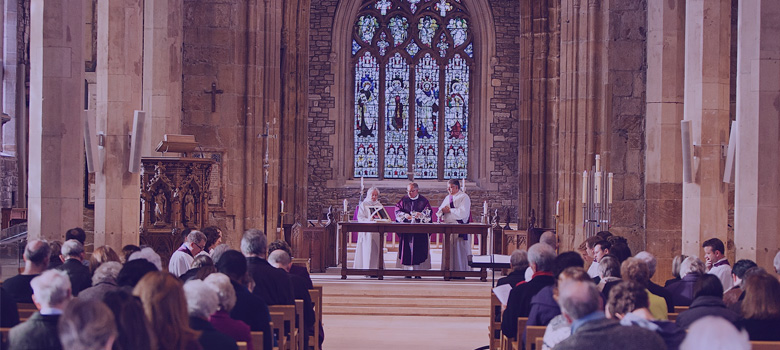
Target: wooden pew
point(25, 310)
point(539, 343)
point(533, 332)
point(316, 299)
point(679, 309)
point(765, 345)
point(283, 318)
point(241, 345)
point(521, 324)
point(494, 326)
point(299, 333)
point(257, 340)
point(673, 316)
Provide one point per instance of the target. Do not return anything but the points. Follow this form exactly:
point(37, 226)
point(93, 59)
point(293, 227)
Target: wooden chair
point(25, 310)
point(241, 345)
point(283, 318)
point(299, 329)
point(679, 309)
point(257, 340)
point(539, 343)
point(494, 326)
point(316, 299)
point(531, 333)
point(506, 343)
point(765, 345)
point(521, 323)
point(672, 316)
point(4, 343)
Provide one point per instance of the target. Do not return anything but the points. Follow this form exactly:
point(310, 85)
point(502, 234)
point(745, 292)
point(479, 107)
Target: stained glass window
point(412, 64)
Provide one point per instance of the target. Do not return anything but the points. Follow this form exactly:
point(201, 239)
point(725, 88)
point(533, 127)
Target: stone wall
point(502, 129)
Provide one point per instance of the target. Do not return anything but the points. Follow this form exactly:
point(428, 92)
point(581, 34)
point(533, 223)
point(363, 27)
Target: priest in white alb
point(456, 208)
point(369, 243)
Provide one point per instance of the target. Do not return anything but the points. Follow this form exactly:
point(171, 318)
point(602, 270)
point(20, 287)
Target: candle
point(361, 183)
point(584, 187)
point(598, 163)
point(597, 185)
point(557, 207)
point(463, 185)
point(345, 205)
point(282, 209)
point(609, 189)
point(484, 208)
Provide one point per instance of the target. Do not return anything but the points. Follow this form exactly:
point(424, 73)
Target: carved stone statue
point(160, 203)
point(189, 208)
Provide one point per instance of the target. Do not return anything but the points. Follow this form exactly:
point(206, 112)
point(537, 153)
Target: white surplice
point(461, 248)
point(368, 243)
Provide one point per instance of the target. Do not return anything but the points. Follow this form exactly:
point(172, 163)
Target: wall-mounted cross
point(213, 92)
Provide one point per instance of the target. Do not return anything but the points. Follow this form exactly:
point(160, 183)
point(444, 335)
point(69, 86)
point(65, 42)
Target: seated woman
point(609, 274)
point(629, 303)
point(761, 307)
point(682, 291)
point(221, 319)
point(708, 301)
point(368, 244)
point(676, 262)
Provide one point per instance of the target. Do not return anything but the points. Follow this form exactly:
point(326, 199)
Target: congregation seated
point(737, 292)
point(708, 301)
point(36, 259)
point(221, 320)
point(715, 333)
point(249, 308)
point(72, 255)
point(103, 281)
point(548, 238)
point(281, 260)
point(761, 307)
point(165, 307)
point(559, 328)
point(87, 325)
point(543, 305)
point(51, 294)
point(294, 269)
point(652, 263)
point(636, 270)
point(134, 330)
point(682, 290)
point(609, 274)
point(541, 257)
point(202, 302)
point(628, 302)
point(271, 284)
point(519, 263)
point(580, 303)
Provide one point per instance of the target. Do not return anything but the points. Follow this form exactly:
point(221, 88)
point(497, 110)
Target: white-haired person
point(221, 320)
point(148, 254)
point(87, 325)
point(202, 302)
point(51, 294)
point(682, 291)
point(368, 243)
point(103, 281)
point(281, 260)
point(72, 256)
point(715, 333)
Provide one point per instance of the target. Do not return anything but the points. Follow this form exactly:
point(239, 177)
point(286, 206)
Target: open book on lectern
point(378, 213)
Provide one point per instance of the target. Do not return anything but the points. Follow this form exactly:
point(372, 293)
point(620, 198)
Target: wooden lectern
point(174, 195)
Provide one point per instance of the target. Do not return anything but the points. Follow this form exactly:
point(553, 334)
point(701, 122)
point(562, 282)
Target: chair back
point(765, 345)
point(531, 333)
point(283, 318)
point(494, 327)
point(316, 299)
point(241, 345)
point(257, 340)
point(299, 333)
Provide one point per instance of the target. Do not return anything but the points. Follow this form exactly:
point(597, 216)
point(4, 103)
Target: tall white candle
point(609, 188)
point(484, 208)
point(557, 207)
point(584, 187)
point(361, 183)
point(345, 204)
point(598, 163)
point(282, 209)
point(463, 185)
point(597, 185)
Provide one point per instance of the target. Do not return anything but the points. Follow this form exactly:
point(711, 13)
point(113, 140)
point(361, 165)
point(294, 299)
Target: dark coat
point(271, 284)
point(98, 291)
point(606, 334)
point(705, 305)
point(9, 314)
point(210, 337)
point(512, 279)
point(519, 303)
point(761, 330)
point(543, 308)
point(682, 290)
point(80, 277)
point(254, 312)
point(301, 271)
point(19, 288)
point(38, 332)
point(663, 293)
point(412, 247)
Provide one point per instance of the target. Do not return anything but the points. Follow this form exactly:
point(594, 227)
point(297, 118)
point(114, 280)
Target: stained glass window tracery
point(412, 78)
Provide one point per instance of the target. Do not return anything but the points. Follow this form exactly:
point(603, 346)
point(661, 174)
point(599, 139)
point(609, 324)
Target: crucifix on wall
point(213, 92)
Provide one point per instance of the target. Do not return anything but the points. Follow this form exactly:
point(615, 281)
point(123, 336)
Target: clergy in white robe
point(456, 208)
point(368, 244)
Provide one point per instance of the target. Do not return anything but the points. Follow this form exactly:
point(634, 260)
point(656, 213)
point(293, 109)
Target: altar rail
point(431, 228)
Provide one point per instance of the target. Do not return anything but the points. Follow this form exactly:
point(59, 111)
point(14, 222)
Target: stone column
point(56, 191)
point(119, 68)
point(162, 83)
point(757, 185)
point(707, 52)
point(663, 157)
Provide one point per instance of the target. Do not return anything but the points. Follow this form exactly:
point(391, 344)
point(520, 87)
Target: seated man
point(281, 260)
point(271, 284)
point(736, 293)
point(519, 263)
point(51, 294)
point(36, 259)
point(541, 257)
point(580, 303)
point(413, 247)
point(72, 257)
point(716, 261)
point(182, 258)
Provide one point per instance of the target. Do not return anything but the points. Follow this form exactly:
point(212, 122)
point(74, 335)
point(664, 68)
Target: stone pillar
point(162, 82)
point(56, 191)
point(757, 184)
point(119, 68)
point(663, 157)
point(707, 52)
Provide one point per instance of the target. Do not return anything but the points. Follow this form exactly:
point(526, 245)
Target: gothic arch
point(480, 165)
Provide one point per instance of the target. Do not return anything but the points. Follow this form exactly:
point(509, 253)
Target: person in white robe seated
point(456, 208)
point(368, 244)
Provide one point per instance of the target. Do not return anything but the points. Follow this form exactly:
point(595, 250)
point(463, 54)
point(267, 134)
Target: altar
point(431, 228)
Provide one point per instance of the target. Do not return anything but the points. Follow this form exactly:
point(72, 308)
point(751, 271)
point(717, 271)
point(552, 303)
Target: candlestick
point(557, 207)
point(463, 185)
point(598, 163)
point(609, 189)
point(282, 208)
point(597, 185)
point(345, 205)
point(584, 187)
